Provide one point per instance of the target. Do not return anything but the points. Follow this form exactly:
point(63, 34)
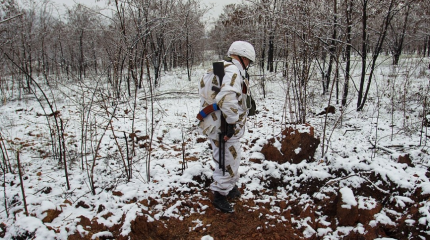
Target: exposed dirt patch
point(51, 214)
point(244, 223)
point(270, 217)
point(297, 144)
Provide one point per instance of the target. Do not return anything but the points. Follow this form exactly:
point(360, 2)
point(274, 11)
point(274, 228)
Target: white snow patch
point(324, 231)
point(401, 201)
point(207, 237)
point(175, 134)
point(425, 186)
point(381, 218)
point(102, 234)
point(30, 225)
point(366, 203)
point(348, 197)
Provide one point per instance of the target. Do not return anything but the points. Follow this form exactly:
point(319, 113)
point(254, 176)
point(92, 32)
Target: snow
point(131, 211)
point(402, 201)
point(381, 218)
point(105, 234)
point(46, 205)
point(366, 203)
point(207, 237)
point(24, 224)
point(425, 186)
point(348, 151)
point(174, 134)
point(324, 231)
point(309, 232)
point(348, 198)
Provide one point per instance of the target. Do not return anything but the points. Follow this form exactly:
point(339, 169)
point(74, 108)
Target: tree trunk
point(333, 43)
point(398, 46)
point(188, 48)
point(424, 52)
point(270, 53)
point(22, 183)
point(81, 50)
point(263, 48)
point(428, 47)
point(347, 50)
point(94, 56)
point(377, 50)
point(363, 53)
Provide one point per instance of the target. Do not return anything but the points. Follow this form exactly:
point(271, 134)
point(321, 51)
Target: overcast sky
point(214, 13)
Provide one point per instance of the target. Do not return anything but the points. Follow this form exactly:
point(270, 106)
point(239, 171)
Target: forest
point(98, 133)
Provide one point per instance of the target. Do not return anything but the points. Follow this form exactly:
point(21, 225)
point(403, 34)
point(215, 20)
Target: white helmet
point(243, 49)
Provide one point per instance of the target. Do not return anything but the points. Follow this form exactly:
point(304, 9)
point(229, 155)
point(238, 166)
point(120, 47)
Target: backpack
point(209, 87)
point(209, 115)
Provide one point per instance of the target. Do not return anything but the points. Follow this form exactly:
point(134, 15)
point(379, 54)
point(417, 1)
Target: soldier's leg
point(223, 183)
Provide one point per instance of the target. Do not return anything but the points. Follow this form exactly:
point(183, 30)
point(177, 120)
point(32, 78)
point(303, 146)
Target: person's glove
point(230, 130)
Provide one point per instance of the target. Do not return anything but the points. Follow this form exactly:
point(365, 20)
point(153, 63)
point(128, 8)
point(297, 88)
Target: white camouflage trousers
point(224, 183)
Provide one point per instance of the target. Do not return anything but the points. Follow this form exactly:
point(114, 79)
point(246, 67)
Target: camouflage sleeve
point(228, 98)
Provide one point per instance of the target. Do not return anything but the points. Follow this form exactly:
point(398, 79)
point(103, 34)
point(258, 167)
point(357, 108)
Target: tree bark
point(349, 5)
point(363, 53)
point(398, 44)
point(81, 50)
point(377, 51)
point(270, 53)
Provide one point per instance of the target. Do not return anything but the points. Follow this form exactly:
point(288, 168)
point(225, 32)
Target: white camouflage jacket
point(231, 100)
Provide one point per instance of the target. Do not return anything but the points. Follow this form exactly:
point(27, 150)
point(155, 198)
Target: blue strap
point(203, 114)
point(206, 111)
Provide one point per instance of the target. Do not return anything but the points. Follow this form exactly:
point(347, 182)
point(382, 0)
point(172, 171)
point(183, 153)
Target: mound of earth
point(297, 144)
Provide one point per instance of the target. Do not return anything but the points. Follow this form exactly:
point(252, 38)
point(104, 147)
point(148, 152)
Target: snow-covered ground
point(391, 121)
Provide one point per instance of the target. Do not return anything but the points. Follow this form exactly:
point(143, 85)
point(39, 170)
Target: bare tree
point(397, 35)
point(348, 48)
point(388, 14)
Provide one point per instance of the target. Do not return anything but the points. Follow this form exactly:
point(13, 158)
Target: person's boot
point(220, 202)
point(234, 193)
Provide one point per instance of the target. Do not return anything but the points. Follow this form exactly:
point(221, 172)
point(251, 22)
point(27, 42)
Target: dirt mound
point(298, 143)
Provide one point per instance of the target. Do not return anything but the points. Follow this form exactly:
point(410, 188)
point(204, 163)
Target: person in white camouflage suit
point(231, 100)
